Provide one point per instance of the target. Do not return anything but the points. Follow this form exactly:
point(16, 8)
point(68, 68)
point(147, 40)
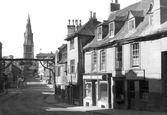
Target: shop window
point(72, 66)
point(144, 90)
point(94, 61)
point(119, 57)
point(103, 60)
point(71, 44)
point(103, 92)
point(135, 54)
point(119, 87)
point(88, 90)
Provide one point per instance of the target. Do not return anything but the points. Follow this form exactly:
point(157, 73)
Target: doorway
point(131, 94)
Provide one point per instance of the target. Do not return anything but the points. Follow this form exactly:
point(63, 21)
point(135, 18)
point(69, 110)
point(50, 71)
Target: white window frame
point(100, 97)
point(119, 57)
point(130, 22)
point(94, 61)
point(103, 60)
point(135, 55)
point(88, 91)
point(99, 33)
point(72, 44)
point(111, 30)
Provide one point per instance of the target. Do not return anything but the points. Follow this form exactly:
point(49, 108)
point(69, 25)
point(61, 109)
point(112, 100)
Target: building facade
point(78, 36)
point(61, 73)
point(133, 52)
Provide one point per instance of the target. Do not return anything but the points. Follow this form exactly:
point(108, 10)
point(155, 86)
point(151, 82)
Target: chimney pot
point(73, 22)
point(69, 22)
point(90, 15)
point(76, 22)
point(80, 23)
point(116, 1)
point(94, 15)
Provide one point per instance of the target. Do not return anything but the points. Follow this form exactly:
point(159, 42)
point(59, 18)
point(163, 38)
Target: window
point(131, 24)
point(72, 66)
point(99, 32)
point(119, 57)
point(88, 89)
point(94, 61)
point(111, 29)
point(103, 60)
point(71, 44)
point(103, 91)
point(135, 55)
point(119, 90)
point(58, 71)
point(144, 89)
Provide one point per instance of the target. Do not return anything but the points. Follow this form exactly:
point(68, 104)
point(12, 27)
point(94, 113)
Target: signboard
point(135, 74)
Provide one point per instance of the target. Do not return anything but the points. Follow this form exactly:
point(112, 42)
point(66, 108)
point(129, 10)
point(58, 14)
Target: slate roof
point(139, 9)
point(87, 29)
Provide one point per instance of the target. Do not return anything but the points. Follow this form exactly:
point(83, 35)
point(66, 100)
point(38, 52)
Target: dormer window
point(99, 32)
point(111, 29)
point(132, 24)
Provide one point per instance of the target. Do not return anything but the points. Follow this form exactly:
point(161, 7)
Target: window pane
point(119, 57)
point(135, 54)
point(144, 90)
point(72, 66)
point(94, 61)
point(103, 91)
point(103, 60)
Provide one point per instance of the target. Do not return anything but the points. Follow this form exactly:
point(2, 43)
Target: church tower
point(28, 41)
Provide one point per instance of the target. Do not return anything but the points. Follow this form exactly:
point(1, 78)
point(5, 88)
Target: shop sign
point(135, 74)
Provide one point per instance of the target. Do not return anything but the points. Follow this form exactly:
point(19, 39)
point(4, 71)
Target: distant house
point(78, 36)
point(46, 74)
point(127, 67)
point(61, 73)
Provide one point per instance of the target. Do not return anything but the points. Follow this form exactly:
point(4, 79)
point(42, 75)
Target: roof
point(61, 47)
point(87, 29)
point(139, 9)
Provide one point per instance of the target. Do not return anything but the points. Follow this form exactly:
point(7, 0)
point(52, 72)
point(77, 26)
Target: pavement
point(99, 111)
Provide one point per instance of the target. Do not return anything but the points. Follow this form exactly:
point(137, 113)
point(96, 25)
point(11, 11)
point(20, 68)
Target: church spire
point(28, 40)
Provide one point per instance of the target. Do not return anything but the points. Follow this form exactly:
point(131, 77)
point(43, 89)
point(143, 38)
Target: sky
point(49, 20)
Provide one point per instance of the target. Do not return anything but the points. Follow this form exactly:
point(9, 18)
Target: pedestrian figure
point(6, 83)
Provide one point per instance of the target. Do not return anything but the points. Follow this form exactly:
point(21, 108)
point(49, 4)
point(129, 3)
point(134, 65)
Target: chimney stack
point(94, 16)
point(114, 6)
point(70, 28)
point(90, 15)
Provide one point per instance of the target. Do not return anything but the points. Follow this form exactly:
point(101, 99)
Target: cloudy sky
point(49, 19)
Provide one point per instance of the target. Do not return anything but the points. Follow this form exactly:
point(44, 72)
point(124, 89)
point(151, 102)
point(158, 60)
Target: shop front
point(97, 90)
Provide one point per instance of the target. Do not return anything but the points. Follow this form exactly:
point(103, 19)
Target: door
point(131, 94)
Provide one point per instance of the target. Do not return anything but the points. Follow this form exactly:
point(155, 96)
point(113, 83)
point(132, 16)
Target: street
point(31, 100)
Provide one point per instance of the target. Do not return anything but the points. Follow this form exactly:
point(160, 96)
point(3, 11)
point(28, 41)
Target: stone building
point(125, 68)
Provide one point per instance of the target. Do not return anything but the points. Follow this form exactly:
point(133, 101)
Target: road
point(31, 100)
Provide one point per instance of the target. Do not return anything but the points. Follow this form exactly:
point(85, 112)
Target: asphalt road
point(31, 100)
